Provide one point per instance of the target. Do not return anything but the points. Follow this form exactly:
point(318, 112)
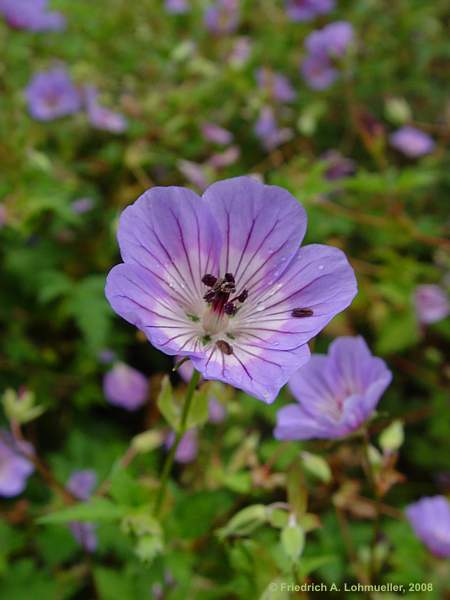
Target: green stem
point(173, 449)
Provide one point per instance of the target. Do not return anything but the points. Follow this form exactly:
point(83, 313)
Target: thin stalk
point(180, 433)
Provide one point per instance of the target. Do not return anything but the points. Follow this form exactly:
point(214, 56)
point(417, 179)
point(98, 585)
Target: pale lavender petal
point(51, 94)
point(215, 133)
point(188, 447)
point(306, 10)
point(125, 387)
point(318, 72)
point(81, 483)
point(430, 519)
point(412, 142)
point(14, 467)
point(432, 304)
point(85, 535)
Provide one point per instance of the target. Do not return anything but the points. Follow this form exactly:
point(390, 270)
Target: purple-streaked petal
point(261, 227)
point(258, 372)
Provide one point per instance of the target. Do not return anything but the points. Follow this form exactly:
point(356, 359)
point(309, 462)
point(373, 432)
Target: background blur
point(144, 86)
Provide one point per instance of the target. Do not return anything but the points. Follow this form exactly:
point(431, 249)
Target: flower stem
point(173, 449)
point(377, 520)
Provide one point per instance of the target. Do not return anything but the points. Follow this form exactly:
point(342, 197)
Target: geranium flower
point(430, 519)
point(188, 447)
point(412, 142)
point(101, 117)
point(52, 94)
point(335, 393)
point(14, 467)
point(221, 279)
point(81, 485)
point(306, 10)
point(276, 85)
point(125, 387)
point(32, 15)
point(431, 303)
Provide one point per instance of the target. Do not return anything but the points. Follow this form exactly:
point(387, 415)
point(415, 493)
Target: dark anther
point(229, 277)
point(209, 296)
point(209, 280)
point(224, 347)
point(243, 296)
point(302, 312)
point(229, 309)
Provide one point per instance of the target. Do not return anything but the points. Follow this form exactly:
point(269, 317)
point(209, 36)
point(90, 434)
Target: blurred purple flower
point(306, 10)
point(188, 447)
point(318, 72)
point(430, 519)
point(14, 467)
point(337, 166)
point(216, 134)
point(101, 117)
point(222, 16)
point(267, 130)
point(335, 393)
point(82, 205)
point(332, 41)
point(216, 411)
point(32, 15)
point(177, 7)
point(81, 485)
point(240, 52)
point(125, 387)
point(231, 290)
point(225, 159)
point(276, 85)
point(107, 356)
point(51, 94)
point(194, 173)
point(412, 142)
point(431, 303)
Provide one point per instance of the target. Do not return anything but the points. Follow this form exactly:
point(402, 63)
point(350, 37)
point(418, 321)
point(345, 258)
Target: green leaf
point(317, 466)
point(167, 404)
point(245, 521)
point(392, 438)
point(293, 540)
point(95, 509)
point(198, 412)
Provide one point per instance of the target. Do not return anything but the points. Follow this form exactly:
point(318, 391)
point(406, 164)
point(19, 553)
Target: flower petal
point(137, 295)
point(293, 423)
point(262, 227)
point(258, 372)
point(171, 232)
point(319, 278)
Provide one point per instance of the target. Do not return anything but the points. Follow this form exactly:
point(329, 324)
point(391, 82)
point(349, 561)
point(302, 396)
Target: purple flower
point(194, 173)
point(51, 94)
point(81, 485)
point(240, 52)
point(188, 447)
point(222, 16)
point(107, 356)
point(412, 142)
point(216, 410)
point(335, 393)
point(14, 467)
point(318, 72)
point(221, 279)
point(176, 7)
point(125, 387)
point(224, 159)
point(337, 166)
point(276, 85)
point(431, 303)
point(82, 205)
point(430, 519)
point(101, 117)
point(31, 15)
point(332, 41)
point(217, 135)
point(267, 130)
point(306, 10)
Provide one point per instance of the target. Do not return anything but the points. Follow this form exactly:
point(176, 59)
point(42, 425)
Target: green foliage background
point(168, 75)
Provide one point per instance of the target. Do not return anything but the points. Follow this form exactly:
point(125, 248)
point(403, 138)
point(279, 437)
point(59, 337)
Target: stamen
point(209, 280)
point(230, 308)
point(302, 312)
point(224, 347)
point(242, 296)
